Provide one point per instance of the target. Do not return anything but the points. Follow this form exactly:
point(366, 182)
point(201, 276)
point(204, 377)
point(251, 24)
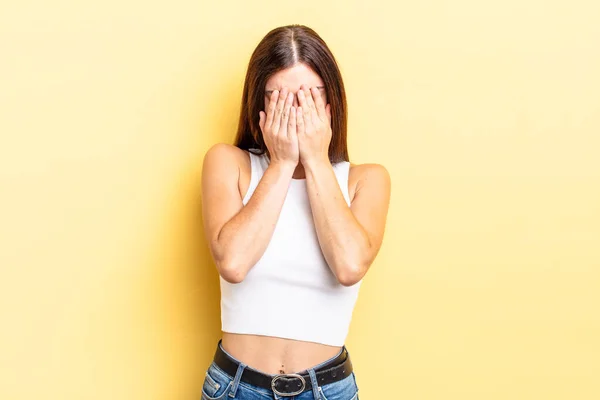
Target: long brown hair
point(282, 48)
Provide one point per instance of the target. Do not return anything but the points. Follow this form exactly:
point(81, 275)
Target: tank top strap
point(262, 163)
point(257, 169)
point(342, 171)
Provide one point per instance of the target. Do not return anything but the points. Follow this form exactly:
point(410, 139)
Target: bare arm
point(350, 237)
point(238, 235)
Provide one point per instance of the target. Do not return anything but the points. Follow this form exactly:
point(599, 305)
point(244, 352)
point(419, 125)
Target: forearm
point(343, 241)
point(244, 238)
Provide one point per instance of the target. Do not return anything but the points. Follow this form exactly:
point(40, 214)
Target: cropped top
point(291, 292)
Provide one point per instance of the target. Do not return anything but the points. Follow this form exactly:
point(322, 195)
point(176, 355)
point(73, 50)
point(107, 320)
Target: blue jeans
point(219, 385)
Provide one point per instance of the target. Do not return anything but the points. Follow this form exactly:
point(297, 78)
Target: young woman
point(293, 228)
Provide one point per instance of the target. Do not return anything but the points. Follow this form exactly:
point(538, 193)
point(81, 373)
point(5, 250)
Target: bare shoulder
point(226, 164)
point(224, 157)
point(224, 153)
point(372, 175)
point(222, 161)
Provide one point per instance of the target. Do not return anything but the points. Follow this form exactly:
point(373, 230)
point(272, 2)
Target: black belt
point(287, 384)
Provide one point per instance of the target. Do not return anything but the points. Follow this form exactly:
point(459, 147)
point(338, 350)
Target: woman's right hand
point(278, 127)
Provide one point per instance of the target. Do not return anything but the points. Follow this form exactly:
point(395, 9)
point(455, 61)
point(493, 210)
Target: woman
point(293, 228)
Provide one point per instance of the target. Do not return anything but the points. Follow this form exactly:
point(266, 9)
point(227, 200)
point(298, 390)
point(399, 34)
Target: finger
point(279, 110)
point(286, 111)
point(301, 98)
point(299, 122)
point(307, 120)
point(312, 108)
point(292, 124)
point(319, 104)
point(271, 108)
point(261, 120)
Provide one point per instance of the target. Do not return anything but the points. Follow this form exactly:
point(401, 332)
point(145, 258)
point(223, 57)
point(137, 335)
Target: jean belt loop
point(315, 384)
point(236, 380)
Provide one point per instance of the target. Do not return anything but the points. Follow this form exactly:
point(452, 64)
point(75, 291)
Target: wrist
point(316, 162)
point(284, 167)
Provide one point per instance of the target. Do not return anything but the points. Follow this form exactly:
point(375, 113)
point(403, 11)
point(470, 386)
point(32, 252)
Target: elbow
point(231, 272)
point(228, 266)
point(350, 275)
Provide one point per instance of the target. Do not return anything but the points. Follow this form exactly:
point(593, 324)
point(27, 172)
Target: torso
point(275, 355)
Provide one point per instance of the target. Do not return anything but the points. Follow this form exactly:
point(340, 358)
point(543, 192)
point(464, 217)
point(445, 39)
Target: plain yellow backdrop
point(486, 114)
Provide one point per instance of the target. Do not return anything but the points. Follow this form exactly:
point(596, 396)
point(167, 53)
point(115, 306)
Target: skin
point(296, 126)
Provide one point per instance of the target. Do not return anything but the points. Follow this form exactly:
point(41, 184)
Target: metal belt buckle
point(287, 376)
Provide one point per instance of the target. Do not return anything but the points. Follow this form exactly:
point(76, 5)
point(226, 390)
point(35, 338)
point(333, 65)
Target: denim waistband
point(309, 371)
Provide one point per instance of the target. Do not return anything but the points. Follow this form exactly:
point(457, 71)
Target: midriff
point(273, 355)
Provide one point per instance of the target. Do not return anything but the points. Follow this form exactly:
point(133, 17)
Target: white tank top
point(291, 292)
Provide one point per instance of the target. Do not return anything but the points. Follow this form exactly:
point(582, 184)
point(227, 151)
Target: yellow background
point(486, 114)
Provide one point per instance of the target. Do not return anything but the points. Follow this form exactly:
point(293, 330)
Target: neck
point(299, 172)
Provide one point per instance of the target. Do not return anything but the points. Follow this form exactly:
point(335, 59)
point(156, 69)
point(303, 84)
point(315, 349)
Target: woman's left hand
point(313, 126)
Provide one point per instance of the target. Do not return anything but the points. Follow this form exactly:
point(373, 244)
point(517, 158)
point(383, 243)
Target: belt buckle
point(288, 376)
